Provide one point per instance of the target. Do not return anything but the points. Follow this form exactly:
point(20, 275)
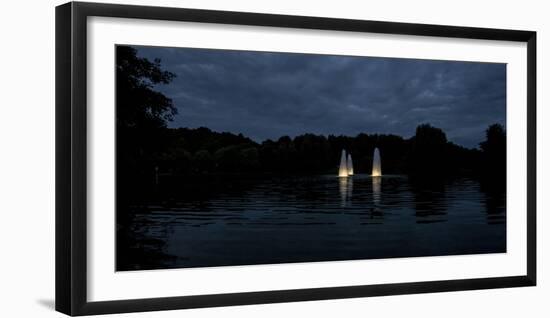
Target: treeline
point(202, 151)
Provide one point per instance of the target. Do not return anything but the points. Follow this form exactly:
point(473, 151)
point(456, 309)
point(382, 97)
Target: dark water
point(320, 218)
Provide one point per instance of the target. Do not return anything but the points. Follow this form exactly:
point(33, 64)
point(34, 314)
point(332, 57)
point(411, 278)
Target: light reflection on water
point(346, 190)
point(376, 190)
point(322, 218)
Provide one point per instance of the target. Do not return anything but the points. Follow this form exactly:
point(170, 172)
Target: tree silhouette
point(428, 151)
point(138, 104)
point(495, 142)
point(141, 117)
point(494, 151)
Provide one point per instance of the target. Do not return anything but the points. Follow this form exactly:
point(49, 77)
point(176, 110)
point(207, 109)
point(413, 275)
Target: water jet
point(350, 165)
point(376, 164)
point(343, 171)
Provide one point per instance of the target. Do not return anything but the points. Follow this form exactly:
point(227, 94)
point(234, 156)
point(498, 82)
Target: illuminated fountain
point(343, 171)
point(345, 184)
point(376, 164)
point(376, 181)
point(350, 165)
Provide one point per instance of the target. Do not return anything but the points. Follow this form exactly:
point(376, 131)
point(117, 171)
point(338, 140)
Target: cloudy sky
point(267, 95)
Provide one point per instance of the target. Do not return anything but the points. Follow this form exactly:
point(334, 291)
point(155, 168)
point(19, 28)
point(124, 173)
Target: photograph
point(274, 159)
point(234, 157)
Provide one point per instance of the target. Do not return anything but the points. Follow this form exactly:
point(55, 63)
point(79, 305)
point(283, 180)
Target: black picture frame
point(71, 157)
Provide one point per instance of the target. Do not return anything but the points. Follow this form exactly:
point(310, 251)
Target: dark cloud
point(266, 95)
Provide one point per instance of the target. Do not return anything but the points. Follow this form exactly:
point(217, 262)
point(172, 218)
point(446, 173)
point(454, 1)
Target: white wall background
point(27, 158)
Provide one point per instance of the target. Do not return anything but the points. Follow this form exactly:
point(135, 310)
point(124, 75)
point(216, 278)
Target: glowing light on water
point(376, 190)
point(350, 165)
point(346, 190)
point(376, 164)
point(343, 171)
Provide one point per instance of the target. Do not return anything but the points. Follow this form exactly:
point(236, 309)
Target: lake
point(310, 218)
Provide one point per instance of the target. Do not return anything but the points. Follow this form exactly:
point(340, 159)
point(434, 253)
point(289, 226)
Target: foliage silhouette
point(141, 115)
point(494, 150)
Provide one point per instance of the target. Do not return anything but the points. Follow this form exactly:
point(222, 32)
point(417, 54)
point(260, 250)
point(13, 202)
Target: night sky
point(268, 95)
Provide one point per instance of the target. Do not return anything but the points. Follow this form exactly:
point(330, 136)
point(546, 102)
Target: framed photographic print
point(208, 158)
